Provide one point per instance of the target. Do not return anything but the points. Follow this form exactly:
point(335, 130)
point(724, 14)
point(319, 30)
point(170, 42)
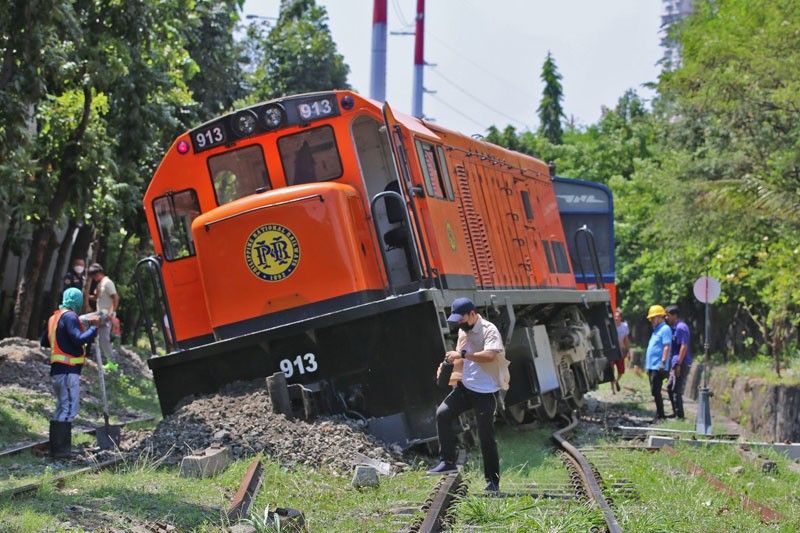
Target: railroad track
point(585, 480)
point(42, 444)
point(585, 477)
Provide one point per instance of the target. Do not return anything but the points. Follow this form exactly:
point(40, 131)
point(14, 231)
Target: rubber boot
point(60, 439)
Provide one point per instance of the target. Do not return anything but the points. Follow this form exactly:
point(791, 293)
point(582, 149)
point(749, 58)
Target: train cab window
point(548, 253)
point(560, 253)
point(238, 173)
point(374, 154)
point(434, 168)
point(526, 203)
point(174, 215)
point(310, 156)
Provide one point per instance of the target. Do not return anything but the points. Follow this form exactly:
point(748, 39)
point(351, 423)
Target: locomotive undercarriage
point(376, 361)
point(572, 339)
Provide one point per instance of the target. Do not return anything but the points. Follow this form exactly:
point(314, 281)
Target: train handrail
point(153, 266)
point(416, 269)
point(593, 258)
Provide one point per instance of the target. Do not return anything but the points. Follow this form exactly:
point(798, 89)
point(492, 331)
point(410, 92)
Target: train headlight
point(244, 123)
point(273, 116)
point(348, 102)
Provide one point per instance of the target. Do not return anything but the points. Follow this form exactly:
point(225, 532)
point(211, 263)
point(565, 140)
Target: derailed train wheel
point(519, 414)
point(548, 408)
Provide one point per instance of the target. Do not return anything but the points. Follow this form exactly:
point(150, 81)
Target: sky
point(489, 54)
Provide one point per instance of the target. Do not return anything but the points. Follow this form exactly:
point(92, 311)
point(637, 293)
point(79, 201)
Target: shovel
point(108, 436)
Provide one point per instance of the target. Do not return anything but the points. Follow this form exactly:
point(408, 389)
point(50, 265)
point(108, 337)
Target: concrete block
point(242, 528)
point(211, 461)
point(365, 476)
point(792, 451)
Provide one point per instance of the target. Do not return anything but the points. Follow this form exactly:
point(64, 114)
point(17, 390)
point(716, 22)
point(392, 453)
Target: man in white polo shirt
point(485, 372)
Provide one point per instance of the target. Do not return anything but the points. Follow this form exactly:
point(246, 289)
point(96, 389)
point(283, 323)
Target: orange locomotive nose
point(285, 252)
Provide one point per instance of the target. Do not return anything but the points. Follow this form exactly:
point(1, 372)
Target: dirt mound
point(26, 364)
point(241, 417)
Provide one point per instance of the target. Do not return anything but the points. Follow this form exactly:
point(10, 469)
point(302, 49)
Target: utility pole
point(377, 82)
point(419, 61)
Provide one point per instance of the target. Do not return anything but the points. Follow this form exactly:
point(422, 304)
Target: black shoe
point(443, 468)
point(671, 416)
point(60, 439)
point(492, 488)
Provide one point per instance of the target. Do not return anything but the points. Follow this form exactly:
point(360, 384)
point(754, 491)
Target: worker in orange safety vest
point(66, 337)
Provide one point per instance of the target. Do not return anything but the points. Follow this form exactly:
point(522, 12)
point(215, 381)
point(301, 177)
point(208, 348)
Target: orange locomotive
point(323, 237)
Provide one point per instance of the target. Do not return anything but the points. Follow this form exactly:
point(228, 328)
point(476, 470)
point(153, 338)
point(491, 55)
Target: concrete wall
point(769, 410)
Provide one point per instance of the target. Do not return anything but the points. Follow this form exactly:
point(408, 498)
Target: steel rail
point(767, 514)
point(58, 480)
point(239, 507)
point(442, 497)
point(18, 448)
point(586, 473)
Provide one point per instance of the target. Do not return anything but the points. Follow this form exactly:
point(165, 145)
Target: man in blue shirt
point(681, 359)
point(65, 336)
point(657, 357)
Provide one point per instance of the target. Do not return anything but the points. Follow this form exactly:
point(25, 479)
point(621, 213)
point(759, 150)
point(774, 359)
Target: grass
point(25, 414)
point(671, 499)
point(330, 503)
point(763, 367)
point(22, 415)
point(142, 491)
point(116, 500)
point(526, 460)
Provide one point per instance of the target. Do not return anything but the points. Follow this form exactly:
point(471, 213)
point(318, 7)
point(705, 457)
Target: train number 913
point(305, 364)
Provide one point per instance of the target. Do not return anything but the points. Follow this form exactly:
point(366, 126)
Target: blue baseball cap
point(460, 307)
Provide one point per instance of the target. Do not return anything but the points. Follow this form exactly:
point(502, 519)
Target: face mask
point(466, 326)
point(78, 269)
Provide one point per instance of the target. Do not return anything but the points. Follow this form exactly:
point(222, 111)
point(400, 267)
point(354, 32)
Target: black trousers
point(657, 378)
point(460, 400)
point(675, 391)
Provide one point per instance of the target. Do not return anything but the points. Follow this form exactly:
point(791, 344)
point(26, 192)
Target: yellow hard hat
point(655, 310)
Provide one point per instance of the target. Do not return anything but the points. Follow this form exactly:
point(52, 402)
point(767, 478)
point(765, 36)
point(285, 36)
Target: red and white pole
point(377, 83)
point(419, 61)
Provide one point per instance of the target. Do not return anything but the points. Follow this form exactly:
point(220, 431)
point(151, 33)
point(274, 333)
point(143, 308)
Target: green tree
point(297, 55)
point(550, 110)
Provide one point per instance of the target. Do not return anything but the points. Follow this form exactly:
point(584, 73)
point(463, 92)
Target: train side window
point(526, 203)
point(238, 173)
point(310, 156)
point(551, 266)
point(560, 253)
point(434, 169)
point(174, 214)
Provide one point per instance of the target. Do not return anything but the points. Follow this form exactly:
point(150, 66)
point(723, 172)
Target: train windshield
point(174, 215)
point(310, 156)
point(238, 173)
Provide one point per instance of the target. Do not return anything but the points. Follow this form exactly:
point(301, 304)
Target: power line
point(476, 99)
point(399, 13)
point(458, 111)
point(476, 64)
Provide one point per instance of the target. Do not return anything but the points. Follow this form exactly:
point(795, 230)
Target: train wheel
point(518, 414)
point(576, 401)
point(548, 409)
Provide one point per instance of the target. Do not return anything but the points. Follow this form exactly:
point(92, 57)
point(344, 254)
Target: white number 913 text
point(305, 364)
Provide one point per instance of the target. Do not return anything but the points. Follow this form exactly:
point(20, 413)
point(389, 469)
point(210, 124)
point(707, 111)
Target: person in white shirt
point(107, 303)
point(485, 372)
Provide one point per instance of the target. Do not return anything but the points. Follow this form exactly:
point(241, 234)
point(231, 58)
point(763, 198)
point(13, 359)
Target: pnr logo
point(272, 252)
point(580, 199)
